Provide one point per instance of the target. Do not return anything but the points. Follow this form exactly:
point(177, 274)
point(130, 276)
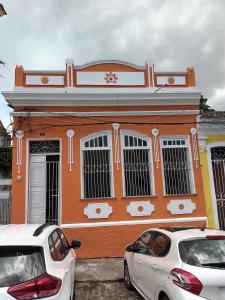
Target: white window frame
point(108, 133)
point(188, 146)
point(149, 148)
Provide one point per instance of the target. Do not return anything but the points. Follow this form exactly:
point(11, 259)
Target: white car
point(177, 264)
point(36, 261)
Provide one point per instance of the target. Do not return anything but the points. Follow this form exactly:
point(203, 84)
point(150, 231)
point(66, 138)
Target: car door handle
point(155, 267)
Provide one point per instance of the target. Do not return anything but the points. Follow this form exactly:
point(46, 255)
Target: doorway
point(218, 169)
point(44, 183)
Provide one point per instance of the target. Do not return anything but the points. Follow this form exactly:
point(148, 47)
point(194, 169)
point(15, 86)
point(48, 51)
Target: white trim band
point(105, 113)
point(124, 223)
point(106, 97)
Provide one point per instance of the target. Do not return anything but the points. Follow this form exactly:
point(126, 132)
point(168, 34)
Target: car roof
point(23, 234)
point(185, 234)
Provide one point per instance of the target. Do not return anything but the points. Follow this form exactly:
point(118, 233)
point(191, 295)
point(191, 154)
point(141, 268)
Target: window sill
point(180, 195)
point(103, 199)
point(138, 197)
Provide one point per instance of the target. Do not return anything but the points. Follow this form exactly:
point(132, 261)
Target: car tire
point(164, 297)
point(127, 280)
point(73, 296)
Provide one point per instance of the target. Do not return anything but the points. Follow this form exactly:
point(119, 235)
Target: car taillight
point(41, 287)
point(215, 237)
point(186, 281)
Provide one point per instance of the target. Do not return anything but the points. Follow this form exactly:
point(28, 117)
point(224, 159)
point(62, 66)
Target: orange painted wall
point(111, 241)
point(108, 108)
point(115, 238)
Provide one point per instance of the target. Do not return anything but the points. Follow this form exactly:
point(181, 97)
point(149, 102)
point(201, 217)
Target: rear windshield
point(208, 253)
point(20, 264)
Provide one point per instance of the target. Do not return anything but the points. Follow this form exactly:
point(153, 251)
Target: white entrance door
point(37, 190)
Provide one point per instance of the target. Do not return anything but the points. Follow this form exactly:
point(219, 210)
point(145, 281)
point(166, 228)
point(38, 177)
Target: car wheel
point(164, 297)
point(127, 281)
point(73, 296)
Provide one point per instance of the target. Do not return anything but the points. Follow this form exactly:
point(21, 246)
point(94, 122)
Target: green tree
point(204, 107)
point(2, 63)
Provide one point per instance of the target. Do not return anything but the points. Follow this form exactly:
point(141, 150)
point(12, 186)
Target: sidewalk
point(100, 279)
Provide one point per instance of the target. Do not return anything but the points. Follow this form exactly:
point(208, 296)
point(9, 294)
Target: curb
point(100, 281)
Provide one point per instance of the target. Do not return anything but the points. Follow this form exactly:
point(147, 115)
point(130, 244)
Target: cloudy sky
point(172, 34)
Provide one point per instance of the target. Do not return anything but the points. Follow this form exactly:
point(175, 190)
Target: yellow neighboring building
point(212, 159)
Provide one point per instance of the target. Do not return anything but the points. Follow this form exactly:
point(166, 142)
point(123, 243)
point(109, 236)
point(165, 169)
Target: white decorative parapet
point(98, 211)
point(179, 207)
point(140, 208)
point(44, 80)
point(111, 78)
point(171, 80)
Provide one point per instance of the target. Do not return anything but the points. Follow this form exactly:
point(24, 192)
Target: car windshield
point(20, 264)
point(204, 252)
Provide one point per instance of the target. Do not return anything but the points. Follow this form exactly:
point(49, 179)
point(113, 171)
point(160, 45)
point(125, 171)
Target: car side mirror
point(75, 244)
point(130, 248)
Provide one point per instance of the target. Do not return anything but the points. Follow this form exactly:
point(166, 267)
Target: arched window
point(137, 165)
point(96, 166)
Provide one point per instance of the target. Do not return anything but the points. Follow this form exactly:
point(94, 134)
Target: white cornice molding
point(134, 222)
point(104, 113)
point(118, 62)
point(105, 90)
point(211, 127)
point(102, 97)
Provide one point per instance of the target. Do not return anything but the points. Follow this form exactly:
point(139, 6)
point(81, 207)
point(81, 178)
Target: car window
point(140, 246)
point(56, 247)
point(64, 241)
point(19, 264)
point(203, 252)
point(159, 245)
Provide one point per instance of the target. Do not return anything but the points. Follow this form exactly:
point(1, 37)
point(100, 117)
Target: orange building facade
point(106, 150)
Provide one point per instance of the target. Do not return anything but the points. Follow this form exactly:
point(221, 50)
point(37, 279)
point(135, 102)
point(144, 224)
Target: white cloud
point(173, 34)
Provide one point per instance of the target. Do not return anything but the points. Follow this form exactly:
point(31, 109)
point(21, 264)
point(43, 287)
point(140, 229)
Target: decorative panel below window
point(177, 167)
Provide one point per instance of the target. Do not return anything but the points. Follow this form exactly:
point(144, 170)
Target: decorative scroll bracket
point(19, 136)
point(116, 127)
point(195, 145)
point(155, 133)
point(70, 134)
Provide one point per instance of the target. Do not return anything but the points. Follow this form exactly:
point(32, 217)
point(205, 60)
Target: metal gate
point(218, 168)
point(5, 201)
point(52, 191)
